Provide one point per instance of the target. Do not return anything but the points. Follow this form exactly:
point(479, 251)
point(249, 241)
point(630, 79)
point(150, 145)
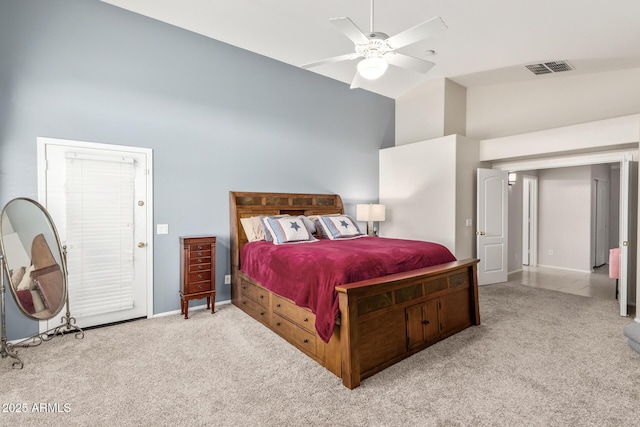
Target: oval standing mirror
point(33, 256)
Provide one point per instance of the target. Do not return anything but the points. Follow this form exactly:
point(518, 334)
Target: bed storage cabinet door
point(423, 326)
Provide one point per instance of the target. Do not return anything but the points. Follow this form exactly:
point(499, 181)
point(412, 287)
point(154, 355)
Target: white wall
point(564, 239)
point(551, 101)
point(429, 190)
point(420, 113)
point(466, 165)
point(435, 109)
point(418, 186)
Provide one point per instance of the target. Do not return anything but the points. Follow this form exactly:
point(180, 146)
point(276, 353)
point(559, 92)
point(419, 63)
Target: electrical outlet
point(227, 279)
point(162, 229)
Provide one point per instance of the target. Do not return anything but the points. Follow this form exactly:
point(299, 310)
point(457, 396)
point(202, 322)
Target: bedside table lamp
point(370, 213)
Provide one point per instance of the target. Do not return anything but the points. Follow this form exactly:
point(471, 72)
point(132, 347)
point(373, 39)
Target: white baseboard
point(565, 269)
point(197, 307)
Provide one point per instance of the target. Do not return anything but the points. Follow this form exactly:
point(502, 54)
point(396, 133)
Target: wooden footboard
point(386, 320)
point(382, 320)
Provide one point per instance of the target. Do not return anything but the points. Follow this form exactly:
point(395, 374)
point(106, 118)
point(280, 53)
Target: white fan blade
point(409, 62)
point(350, 30)
point(346, 57)
point(355, 83)
point(417, 33)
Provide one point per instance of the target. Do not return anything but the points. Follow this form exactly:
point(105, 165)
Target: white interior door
point(99, 197)
point(491, 235)
point(628, 230)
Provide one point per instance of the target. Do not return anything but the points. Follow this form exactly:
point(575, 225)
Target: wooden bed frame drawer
point(302, 339)
point(259, 295)
point(285, 308)
point(255, 310)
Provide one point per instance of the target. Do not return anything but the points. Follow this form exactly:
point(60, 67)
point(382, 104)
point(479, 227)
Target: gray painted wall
point(218, 118)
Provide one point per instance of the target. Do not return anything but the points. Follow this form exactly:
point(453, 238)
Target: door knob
point(480, 233)
point(141, 245)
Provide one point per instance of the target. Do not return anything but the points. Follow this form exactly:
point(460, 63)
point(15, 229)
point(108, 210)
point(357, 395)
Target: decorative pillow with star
point(289, 229)
point(339, 227)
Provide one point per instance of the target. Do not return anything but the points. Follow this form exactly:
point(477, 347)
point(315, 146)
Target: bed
point(376, 322)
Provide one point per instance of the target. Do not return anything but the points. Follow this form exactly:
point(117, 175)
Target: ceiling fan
point(378, 50)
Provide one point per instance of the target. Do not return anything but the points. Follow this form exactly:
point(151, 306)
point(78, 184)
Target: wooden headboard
point(244, 205)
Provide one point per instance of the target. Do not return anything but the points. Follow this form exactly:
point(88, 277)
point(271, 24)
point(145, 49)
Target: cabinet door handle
point(425, 322)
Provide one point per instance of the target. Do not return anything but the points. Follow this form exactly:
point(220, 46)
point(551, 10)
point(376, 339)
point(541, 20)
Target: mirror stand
point(6, 349)
point(68, 325)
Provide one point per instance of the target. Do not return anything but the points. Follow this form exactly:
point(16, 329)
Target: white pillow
point(288, 229)
point(252, 228)
point(339, 227)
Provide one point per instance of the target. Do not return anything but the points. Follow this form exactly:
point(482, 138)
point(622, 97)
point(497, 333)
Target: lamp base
point(370, 229)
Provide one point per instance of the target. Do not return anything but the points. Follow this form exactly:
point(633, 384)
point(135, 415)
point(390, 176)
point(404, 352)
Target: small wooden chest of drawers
point(197, 271)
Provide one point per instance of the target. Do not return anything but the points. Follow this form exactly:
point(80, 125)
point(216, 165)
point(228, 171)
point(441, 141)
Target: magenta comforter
point(308, 273)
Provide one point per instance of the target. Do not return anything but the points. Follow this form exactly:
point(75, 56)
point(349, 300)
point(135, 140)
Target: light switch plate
point(163, 229)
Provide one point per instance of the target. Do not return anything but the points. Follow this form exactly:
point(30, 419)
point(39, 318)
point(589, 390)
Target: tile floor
point(597, 284)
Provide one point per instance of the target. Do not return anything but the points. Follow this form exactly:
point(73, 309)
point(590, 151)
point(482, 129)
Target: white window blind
point(100, 233)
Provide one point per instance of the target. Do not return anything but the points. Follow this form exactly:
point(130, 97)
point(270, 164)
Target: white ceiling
point(487, 41)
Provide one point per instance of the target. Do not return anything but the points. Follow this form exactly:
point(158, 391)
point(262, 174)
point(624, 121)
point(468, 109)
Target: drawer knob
point(199, 276)
point(261, 296)
point(306, 341)
point(199, 267)
point(425, 322)
point(199, 286)
point(262, 313)
point(199, 253)
point(278, 305)
point(306, 320)
point(199, 259)
point(278, 324)
point(199, 247)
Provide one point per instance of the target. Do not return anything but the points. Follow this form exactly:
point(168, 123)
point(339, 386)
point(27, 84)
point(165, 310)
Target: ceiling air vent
point(549, 67)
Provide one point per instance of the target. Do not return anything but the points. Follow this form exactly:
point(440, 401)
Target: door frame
point(42, 143)
point(530, 218)
point(624, 157)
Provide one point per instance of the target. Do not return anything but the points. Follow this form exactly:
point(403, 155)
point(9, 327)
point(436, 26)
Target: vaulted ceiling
point(486, 42)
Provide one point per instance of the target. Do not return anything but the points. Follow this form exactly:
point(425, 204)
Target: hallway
point(597, 284)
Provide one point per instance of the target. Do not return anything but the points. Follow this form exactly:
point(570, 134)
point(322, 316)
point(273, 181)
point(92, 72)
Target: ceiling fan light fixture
point(372, 68)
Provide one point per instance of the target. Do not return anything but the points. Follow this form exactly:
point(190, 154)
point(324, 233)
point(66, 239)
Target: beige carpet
point(540, 358)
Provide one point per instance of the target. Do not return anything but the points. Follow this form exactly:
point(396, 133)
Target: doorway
point(627, 214)
point(99, 195)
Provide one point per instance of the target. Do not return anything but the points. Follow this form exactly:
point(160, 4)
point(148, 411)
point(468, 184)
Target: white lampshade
point(370, 213)
point(372, 68)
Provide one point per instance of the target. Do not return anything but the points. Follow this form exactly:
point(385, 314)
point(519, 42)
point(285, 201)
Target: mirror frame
point(58, 246)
